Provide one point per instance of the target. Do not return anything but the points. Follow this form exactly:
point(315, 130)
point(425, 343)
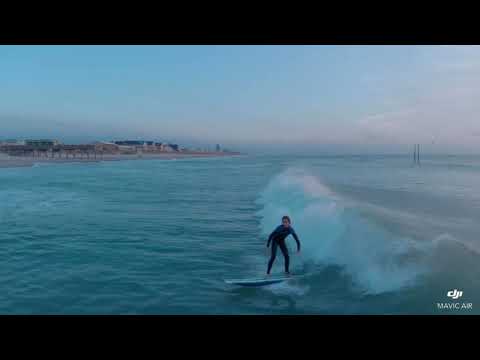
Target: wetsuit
point(277, 238)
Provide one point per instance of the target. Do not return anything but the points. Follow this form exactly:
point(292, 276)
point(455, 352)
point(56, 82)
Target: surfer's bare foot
point(287, 273)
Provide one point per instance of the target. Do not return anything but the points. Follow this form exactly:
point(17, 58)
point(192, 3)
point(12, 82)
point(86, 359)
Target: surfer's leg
point(284, 249)
point(272, 258)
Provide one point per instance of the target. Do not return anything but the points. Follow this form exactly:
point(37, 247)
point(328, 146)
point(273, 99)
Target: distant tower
point(416, 154)
point(217, 148)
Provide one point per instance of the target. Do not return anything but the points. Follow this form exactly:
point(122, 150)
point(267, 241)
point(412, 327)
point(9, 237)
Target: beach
point(27, 161)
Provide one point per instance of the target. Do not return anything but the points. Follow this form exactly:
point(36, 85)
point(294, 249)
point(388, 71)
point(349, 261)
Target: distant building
point(134, 146)
point(142, 145)
point(12, 142)
point(42, 143)
point(169, 147)
point(130, 143)
point(217, 148)
point(106, 147)
point(150, 146)
point(124, 149)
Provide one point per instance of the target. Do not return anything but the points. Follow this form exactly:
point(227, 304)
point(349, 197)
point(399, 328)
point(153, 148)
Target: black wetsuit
point(277, 238)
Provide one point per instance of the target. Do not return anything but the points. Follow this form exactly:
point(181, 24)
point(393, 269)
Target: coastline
point(18, 161)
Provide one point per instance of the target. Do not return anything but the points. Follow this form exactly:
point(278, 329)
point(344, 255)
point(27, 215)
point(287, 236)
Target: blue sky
point(350, 98)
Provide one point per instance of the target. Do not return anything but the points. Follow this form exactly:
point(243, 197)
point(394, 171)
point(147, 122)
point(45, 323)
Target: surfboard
point(258, 282)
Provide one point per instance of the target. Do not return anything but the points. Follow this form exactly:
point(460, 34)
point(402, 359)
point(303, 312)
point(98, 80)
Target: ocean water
point(379, 235)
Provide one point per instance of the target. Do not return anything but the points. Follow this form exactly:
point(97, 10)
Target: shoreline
point(18, 161)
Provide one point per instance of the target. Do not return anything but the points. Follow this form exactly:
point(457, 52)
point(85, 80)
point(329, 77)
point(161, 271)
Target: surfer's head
point(286, 221)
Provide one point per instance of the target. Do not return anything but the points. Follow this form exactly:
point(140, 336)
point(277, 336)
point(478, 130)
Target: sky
point(327, 98)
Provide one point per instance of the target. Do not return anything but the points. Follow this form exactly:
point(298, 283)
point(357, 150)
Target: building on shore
point(106, 147)
point(13, 142)
point(126, 149)
point(174, 147)
point(47, 150)
point(162, 147)
point(137, 146)
point(54, 148)
point(133, 143)
point(146, 146)
point(150, 146)
point(42, 143)
point(129, 146)
point(217, 148)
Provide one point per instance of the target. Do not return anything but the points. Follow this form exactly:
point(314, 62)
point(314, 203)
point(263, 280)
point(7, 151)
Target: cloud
point(446, 112)
point(436, 102)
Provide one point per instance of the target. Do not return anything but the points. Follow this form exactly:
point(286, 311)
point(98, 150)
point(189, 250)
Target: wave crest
point(333, 233)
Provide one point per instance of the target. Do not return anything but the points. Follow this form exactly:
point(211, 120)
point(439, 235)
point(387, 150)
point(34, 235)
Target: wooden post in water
point(416, 154)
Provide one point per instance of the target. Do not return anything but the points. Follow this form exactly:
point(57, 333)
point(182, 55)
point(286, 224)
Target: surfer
point(277, 238)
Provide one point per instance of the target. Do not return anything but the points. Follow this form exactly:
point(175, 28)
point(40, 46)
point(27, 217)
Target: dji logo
point(455, 294)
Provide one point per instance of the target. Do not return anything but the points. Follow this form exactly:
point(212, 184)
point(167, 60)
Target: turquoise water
point(379, 235)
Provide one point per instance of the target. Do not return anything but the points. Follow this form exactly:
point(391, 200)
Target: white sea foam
point(334, 234)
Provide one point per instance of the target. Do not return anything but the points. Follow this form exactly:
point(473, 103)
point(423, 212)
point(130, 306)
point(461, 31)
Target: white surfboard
point(259, 282)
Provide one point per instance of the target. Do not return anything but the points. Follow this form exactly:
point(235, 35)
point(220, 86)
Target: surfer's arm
point(270, 238)
point(294, 234)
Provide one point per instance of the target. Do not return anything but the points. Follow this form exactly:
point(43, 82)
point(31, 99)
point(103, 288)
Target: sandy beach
point(20, 161)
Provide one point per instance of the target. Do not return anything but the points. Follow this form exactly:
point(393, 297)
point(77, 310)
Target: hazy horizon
point(333, 99)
